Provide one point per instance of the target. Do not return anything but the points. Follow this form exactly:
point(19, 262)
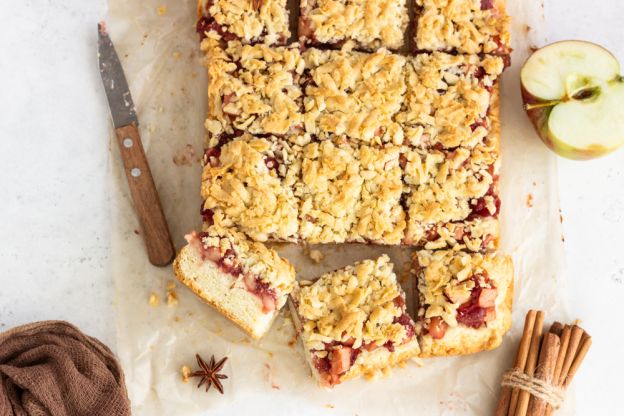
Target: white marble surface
point(54, 157)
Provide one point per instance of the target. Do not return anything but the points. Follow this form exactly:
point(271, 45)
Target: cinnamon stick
point(578, 360)
point(556, 328)
point(565, 340)
point(504, 404)
point(545, 370)
point(573, 345)
point(524, 396)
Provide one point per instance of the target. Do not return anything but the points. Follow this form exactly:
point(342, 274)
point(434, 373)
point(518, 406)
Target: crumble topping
point(248, 183)
point(353, 305)
point(245, 258)
point(253, 88)
point(353, 94)
point(245, 21)
point(447, 187)
point(371, 24)
point(329, 189)
point(380, 216)
point(448, 98)
point(467, 26)
point(447, 278)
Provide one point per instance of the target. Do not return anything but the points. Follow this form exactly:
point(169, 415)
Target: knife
point(160, 250)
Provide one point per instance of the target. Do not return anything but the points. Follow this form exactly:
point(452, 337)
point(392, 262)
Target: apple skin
point(539, 119)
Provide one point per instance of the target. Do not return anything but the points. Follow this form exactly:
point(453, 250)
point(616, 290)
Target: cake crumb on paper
point(161, 10)
point(154, 300)
point(186, 372)
point(529, 200)
point(316, 256)
point(329, 406)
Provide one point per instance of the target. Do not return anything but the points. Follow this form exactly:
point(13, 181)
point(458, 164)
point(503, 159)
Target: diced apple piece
point(490, 314)
point(437, 327)
point(487, 297)
point(340, 360)
point(574, 96)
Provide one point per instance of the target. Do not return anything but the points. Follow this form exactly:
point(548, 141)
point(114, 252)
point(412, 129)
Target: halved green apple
point(574, 95)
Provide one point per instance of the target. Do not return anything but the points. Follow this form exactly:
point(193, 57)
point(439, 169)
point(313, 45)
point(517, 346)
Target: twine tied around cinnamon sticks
point(541, 389)
point(544, 367)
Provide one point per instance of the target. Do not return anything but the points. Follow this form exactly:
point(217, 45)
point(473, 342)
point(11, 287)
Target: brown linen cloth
point(51, 368)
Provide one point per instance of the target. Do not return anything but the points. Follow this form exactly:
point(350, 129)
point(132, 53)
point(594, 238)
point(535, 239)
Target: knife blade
point(160, 249)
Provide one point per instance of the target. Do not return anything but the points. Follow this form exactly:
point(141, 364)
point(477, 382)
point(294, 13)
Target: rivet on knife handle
point(156, 235)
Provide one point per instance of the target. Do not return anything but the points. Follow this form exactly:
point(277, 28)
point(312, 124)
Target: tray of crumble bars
point(347, 165)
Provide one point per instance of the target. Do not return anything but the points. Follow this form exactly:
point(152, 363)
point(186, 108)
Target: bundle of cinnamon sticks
point(544, 367)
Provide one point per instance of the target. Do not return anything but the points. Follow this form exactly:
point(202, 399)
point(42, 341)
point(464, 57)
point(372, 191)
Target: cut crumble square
point(452, 198)
point(465, 301)
point(353, 322)
point(354, 94)
point(450, 100)
point(370, 24)
point(253, 89)
point(248, 184)
point(329, 188)
point(243, 280)
point(466, 26)
point(247, 21)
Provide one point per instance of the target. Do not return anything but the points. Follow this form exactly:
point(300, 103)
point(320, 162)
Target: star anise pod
point(209, 372)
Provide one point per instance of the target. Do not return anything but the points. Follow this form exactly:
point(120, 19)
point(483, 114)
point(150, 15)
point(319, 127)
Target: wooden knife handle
point(156, 235)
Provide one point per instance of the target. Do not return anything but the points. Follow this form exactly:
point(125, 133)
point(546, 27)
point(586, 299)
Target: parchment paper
point(159, 50)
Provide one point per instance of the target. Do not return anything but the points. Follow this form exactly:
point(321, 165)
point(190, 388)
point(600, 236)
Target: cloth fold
point(51, 368)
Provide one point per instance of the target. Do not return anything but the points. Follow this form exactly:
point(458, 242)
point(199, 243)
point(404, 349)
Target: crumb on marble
point(172, 296)
point(154, 300)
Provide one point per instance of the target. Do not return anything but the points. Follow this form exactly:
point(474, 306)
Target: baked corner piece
point(248, 21)
point(465, 301)
point(253, 88)
point(243, 280)
point(466, 26)
point(353, 322)
point(370, 24)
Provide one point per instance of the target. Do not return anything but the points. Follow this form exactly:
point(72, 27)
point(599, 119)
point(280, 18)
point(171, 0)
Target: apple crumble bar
point(353, 322)
point(353, 94)
point(452, 198)
point(248, 21)
point(464, 301)
point(371, 24)
point(466, 26)
point(244, 280)
point(253, 89)
point(451, 100)
point(248, 183)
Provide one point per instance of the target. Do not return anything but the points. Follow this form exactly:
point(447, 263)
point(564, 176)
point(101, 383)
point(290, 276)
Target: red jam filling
point(228, 263)
point(487, 4)
point(207, 215)
point(208, 24)
point(479, 208)
point(473, 312)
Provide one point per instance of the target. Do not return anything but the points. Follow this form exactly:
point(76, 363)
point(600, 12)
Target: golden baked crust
point(371, 24)
point(253, 88)
point(360, 309)
point(380, 215)
point(448, 99)
point(467, 26)
point(446, 280)
point(248, 183)
point(353, 94)
point(329, 189)
point(227, 20)
point(452, 198)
